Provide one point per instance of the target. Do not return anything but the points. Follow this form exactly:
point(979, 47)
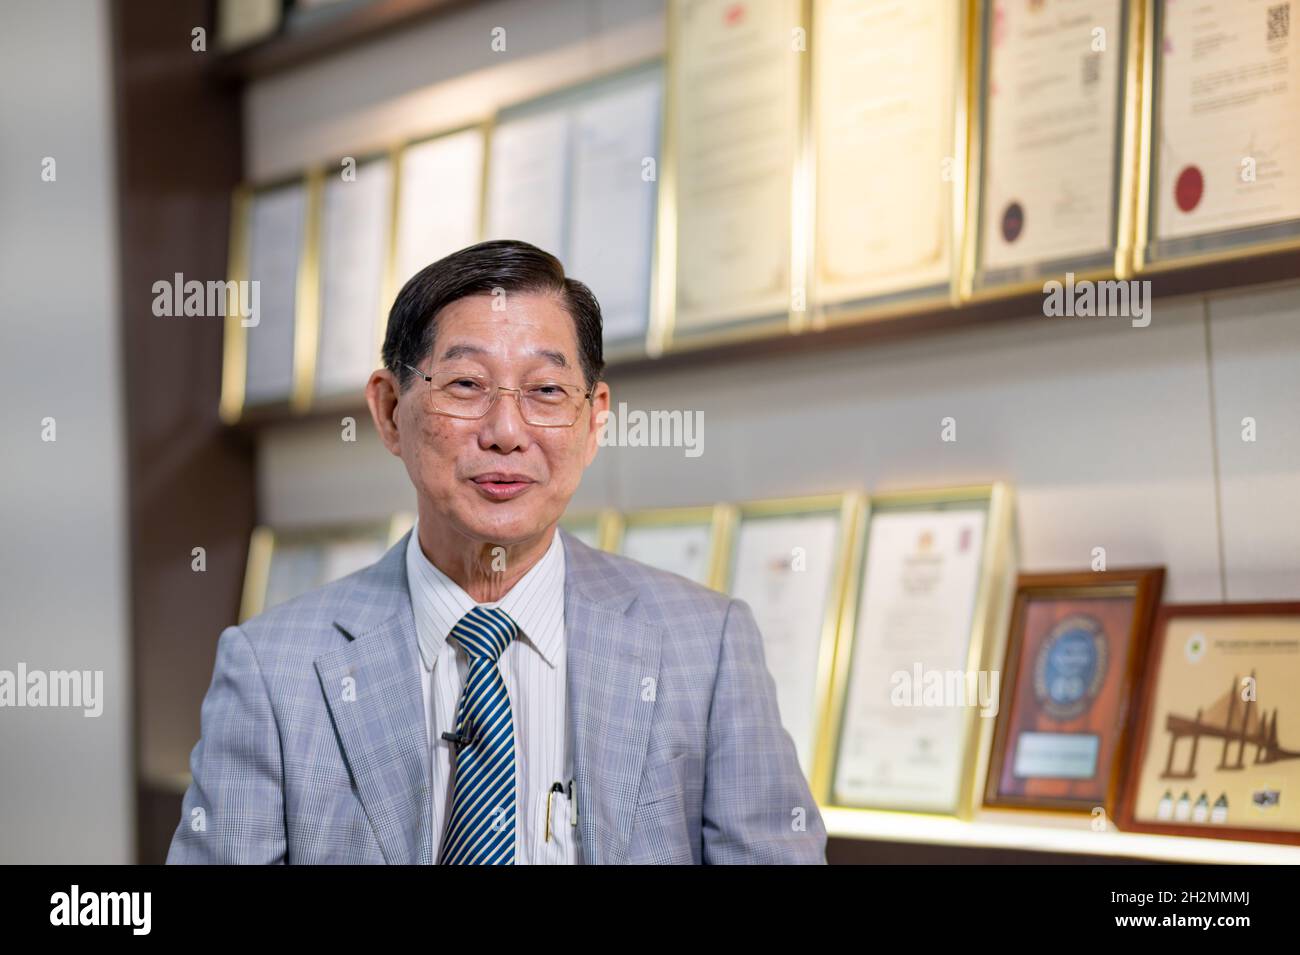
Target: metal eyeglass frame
point(519, 398)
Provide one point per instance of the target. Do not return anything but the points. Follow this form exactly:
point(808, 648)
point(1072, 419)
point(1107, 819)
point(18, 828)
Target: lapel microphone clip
point(457, 739)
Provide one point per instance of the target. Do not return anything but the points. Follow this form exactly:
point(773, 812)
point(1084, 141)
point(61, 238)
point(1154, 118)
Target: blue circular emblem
point(1070, 667)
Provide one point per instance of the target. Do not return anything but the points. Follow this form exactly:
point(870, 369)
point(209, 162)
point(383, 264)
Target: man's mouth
point(502, 486)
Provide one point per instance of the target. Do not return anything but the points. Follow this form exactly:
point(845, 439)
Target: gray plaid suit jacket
point(314, 745)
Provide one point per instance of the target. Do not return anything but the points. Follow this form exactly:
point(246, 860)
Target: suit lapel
point(613, 674)
point(372, 687)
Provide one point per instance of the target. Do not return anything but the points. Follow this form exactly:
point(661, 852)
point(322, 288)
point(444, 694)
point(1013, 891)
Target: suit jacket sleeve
point(233, 811)
point(757, 804)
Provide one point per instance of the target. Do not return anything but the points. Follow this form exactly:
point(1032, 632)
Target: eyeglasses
point(544, 404)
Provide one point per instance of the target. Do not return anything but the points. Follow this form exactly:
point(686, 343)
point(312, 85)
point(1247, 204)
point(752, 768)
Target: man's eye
point(464, 385)
point(547, 392)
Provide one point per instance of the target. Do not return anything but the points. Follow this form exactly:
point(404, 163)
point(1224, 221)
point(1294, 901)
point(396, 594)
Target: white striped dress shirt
point(533, 667)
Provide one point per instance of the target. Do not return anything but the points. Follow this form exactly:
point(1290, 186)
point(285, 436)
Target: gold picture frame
point(1117, 263)
point(602, 526)
point(665, 333)
point(633, 347)
point(1234, 245)
point(825, 313)
point(400, 153)
point(992, 602)
point(266, 541)
point(849, 508)
point(718, 518)
point(233, 403)
point(344, 400)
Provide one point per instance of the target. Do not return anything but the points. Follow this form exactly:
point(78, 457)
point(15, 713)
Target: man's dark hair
point(506, 264)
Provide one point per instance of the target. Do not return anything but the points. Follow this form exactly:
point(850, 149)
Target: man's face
point(530, 337)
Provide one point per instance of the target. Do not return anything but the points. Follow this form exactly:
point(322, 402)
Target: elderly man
point(492, 690)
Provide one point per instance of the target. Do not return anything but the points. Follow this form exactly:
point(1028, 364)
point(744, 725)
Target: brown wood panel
point(190, 480)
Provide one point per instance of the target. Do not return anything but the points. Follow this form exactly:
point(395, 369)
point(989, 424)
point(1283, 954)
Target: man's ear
point(381, 397)
point(599, 412)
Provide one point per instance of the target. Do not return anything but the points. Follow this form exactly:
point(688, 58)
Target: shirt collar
point(535, 602)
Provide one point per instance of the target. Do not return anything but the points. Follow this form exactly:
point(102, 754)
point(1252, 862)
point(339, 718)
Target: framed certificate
point(889, 133)
point(1221, 144)
point(1217, 749)
point(528, 172)
point(730, 258)
point(282, 564)
point(1056, 127)
point(439, 201)
point(355, 254)
point(1074, 655)
point(690, 541)
point(612, 200)
point(916, 641)
point(270, 336)
point(575, 172)
point(599, 529)
point(790, 562)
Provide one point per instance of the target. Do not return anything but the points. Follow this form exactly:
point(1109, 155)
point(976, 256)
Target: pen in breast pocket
point(558, 787)
point(555, 788)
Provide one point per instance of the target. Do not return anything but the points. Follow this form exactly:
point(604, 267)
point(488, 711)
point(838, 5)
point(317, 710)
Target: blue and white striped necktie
point(481, 824)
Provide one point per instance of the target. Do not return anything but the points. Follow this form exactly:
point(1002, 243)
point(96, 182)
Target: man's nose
point(504, 423)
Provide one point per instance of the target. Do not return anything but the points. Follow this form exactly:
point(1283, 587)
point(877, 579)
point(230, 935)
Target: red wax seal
point(1189, 189)
point(1013, 220)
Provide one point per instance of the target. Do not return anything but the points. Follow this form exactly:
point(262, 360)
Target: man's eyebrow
point(461, 351)
point(466, 350)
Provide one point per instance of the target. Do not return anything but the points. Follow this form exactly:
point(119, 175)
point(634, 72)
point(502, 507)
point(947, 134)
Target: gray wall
point(66, 794)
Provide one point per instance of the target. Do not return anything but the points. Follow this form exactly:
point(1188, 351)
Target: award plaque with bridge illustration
point(1217, 748)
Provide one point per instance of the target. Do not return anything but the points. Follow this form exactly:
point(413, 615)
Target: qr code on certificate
point(1279, 22)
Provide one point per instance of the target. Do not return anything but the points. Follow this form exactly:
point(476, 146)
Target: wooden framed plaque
point(1074, 655)
point(1217, 743)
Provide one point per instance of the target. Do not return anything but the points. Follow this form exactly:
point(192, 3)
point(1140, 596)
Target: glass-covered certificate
point(902, 740)
point(786, 567)
point(439, 201)
point(285, 564)
point(886, 85)
point(735, 68)
point(598, 529)
point(1225, 139)
point(528, 171)
point(681, 540)
point(612, 204)
point(355, 218)
point(277, 237)
point(1218, 737)
point(1053, 138)
point(1073, 653)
